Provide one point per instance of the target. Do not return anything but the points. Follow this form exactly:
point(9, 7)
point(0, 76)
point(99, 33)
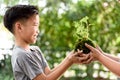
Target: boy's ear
point(18, 26)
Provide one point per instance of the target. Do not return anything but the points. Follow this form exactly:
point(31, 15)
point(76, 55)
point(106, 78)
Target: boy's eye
point(35, 25)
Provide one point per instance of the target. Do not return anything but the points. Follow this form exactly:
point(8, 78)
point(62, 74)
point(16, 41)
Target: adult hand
point(95, 51)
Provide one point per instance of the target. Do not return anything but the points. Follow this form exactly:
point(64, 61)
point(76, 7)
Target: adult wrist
point(100, 56)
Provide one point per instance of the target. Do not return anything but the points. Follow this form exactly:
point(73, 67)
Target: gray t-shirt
point(27, 64)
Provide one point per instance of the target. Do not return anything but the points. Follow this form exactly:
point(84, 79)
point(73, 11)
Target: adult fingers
point(90, 47)
point(97, 47)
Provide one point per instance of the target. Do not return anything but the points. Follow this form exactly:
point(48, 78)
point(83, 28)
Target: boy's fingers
point(88, 61)
point(79, 51)
point(84, 58)
point(78, 59)
point(77, 54)
point(81, 59)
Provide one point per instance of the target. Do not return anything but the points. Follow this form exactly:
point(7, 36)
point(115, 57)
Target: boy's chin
point(33, 42)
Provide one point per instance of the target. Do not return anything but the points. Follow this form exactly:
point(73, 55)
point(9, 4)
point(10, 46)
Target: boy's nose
point(37, 31)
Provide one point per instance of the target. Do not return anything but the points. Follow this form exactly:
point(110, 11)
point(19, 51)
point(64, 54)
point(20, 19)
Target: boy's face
point(30, 29)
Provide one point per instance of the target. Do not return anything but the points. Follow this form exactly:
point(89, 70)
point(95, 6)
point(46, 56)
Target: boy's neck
point(22, 44)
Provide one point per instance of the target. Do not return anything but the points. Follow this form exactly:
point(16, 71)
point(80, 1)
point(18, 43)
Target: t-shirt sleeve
point(43, 58)
point(29, 66)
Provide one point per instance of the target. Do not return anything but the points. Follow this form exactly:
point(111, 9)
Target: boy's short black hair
point(18, 12)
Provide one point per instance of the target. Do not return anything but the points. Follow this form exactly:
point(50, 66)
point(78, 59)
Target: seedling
point(82, 35)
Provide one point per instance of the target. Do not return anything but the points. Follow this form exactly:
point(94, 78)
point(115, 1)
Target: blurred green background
point(56, 34)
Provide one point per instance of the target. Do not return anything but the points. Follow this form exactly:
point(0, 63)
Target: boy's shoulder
point(34, 47)
point(18, 51)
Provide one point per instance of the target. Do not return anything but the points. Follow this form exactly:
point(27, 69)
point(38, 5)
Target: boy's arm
point(55, 73)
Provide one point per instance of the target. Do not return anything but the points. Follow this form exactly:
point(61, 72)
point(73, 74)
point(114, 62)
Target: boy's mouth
point(35, 36)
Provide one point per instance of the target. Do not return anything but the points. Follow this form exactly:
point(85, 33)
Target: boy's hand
point(79, 58)
point(87, 58)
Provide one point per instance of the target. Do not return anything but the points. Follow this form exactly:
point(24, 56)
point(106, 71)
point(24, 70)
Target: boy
point(111, 62)
point(28, 62)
